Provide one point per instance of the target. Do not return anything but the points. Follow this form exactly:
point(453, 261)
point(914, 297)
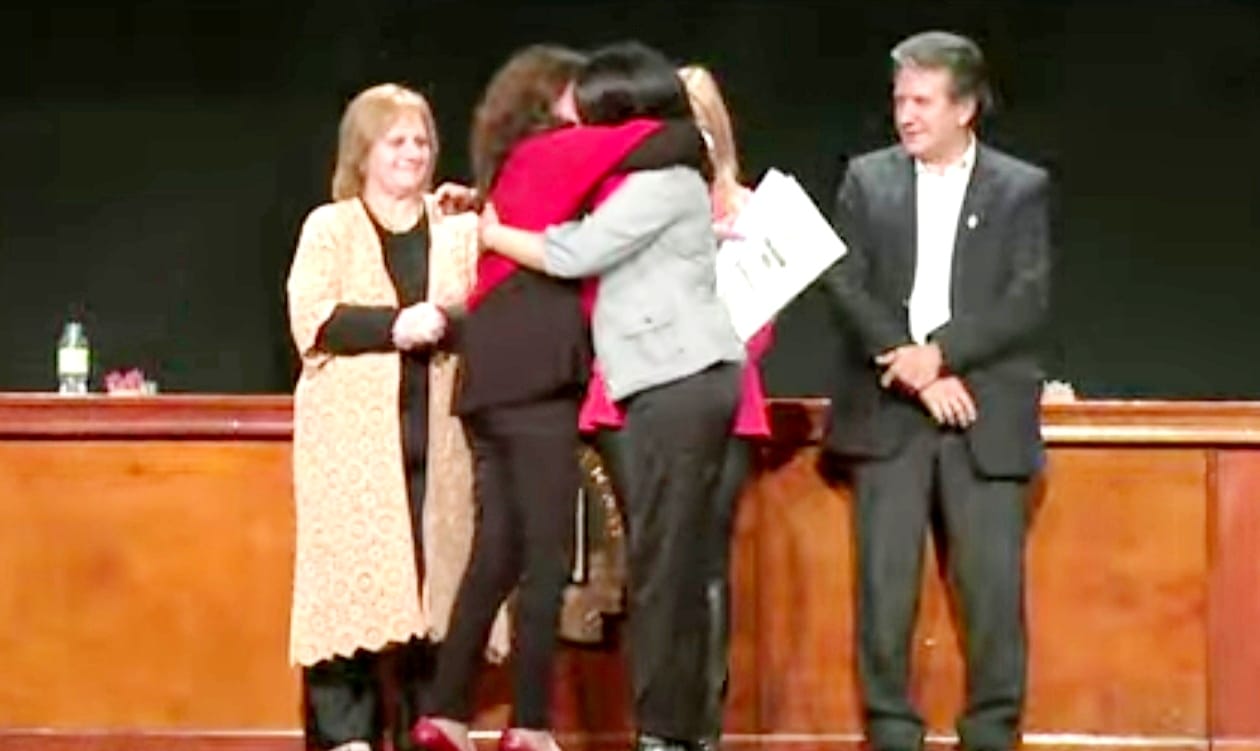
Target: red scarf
point(548, 178)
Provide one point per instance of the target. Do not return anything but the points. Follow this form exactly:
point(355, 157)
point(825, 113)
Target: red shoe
point(428, 735)
point(511, 741)
point(514, 740)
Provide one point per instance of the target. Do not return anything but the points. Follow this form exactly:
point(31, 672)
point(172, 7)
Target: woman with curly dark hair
point(670, 358)
point(525, 354)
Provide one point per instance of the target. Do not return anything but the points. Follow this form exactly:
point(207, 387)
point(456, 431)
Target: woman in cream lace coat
point(380, 465)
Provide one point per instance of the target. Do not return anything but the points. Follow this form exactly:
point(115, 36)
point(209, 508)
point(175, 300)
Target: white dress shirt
point(939, 193)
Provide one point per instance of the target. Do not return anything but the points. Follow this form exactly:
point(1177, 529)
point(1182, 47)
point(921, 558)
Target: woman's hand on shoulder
point(453, 198)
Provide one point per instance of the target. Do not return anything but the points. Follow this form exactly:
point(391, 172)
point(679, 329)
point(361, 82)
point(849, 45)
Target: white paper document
point(783, 244)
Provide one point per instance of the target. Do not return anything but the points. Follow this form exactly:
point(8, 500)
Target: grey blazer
point(657, 316)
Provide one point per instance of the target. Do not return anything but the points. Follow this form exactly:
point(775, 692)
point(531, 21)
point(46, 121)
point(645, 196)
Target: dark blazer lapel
point(972, 216)
point(902, 205)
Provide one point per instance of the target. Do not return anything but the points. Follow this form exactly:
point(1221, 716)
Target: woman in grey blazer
point(670, 358)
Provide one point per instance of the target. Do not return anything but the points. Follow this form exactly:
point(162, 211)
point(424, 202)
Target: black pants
point(985, 522)
point(736, 464)
point(345, 697)
point(674, 440)
point(527, 482)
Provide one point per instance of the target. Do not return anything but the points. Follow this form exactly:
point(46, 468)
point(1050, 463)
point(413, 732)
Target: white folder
point(782, 244)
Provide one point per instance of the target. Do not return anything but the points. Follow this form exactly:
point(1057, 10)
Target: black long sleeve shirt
point(358, 329)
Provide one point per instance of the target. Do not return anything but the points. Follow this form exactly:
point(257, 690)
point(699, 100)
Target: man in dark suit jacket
point(945, 290)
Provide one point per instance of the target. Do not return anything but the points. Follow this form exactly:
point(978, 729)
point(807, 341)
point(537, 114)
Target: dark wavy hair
point(517, 103)
point(627, 80)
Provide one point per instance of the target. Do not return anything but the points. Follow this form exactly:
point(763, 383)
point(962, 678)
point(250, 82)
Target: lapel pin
point(972, 221)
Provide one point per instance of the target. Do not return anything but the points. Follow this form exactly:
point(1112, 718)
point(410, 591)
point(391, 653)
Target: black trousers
point(675, 438)
point(736, 464)
point(985, 523)
point(357, 698)
point(527, 481)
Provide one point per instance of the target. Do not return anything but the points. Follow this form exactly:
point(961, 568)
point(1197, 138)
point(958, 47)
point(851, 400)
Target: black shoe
point(414, 665)
point(644, 742)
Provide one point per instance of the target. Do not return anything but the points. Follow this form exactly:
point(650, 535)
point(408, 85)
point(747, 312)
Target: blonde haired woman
point(728, 194)
point(379, 463)
point(751, 425)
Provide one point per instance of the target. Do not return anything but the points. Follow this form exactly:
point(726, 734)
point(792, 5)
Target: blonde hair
point(368, 116)
point(714, 119)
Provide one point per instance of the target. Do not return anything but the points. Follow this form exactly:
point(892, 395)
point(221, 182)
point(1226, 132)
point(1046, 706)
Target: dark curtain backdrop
point(158, 159)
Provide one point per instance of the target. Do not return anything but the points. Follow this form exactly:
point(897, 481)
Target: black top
point(356, 329)
point(528, 340)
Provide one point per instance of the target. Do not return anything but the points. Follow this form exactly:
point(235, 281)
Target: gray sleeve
point(626, 223)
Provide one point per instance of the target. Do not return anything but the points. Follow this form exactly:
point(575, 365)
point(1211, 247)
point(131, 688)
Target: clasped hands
point(418, 325)
point(917, 369)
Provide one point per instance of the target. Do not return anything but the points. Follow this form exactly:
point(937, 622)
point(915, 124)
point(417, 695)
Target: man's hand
point(914, 366)
point(418, 325)
point(950, 402)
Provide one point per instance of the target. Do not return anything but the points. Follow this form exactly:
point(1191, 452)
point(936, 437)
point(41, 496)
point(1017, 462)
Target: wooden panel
point(26, 741)
point(147, 741)
point(487, 740)
point(1152, 423)
point(145, 584)
point(1117, 575)
point(795, 421)
point(1118, 594)
point(801, 589)
point(743, 701)
point(592, 693)
point(145, 580)
point(1236, 601)
point(1089, 422)
point(146, 417)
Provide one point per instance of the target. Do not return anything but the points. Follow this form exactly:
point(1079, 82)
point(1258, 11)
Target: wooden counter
point(146, 544)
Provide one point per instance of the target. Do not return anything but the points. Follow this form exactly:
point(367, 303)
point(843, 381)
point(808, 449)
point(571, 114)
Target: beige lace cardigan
point(355, 580)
